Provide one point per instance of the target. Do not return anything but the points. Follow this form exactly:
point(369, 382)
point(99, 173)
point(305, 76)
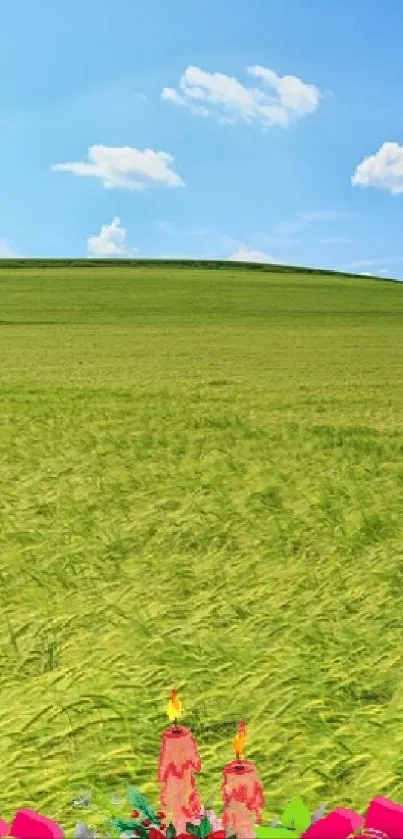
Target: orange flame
point(174, 709)
point(240, 740)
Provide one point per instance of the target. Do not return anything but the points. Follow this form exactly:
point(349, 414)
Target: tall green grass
point(201, 487)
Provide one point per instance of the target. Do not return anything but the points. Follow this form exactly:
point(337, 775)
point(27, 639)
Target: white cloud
point(277, 100)
point(110, 241)
point(368, 263)
point(383, 169)
point(125, 167)
point(381, 272)
point(246, 254)
point(7, 251)
point(376, 266)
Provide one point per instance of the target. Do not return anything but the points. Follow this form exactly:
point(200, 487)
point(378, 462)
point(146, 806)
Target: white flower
point(215, 822)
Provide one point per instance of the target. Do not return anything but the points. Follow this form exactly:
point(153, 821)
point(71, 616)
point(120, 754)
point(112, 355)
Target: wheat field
point(201, 487)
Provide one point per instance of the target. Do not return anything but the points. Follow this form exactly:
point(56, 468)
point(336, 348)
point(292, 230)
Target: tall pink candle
point(178, 762)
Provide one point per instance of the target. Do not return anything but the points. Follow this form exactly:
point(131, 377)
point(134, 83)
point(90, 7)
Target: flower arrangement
point(383, 820)
point(243, 800)
point(146, 823)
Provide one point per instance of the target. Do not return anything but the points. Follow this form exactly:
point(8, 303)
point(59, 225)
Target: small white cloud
point(294, 95)
point(125, 168)
point(110, 241)
point(7, 251)
point(381, 272)
point(368, 263)
point(246, 254)
point(277, 101)
point(383, 169)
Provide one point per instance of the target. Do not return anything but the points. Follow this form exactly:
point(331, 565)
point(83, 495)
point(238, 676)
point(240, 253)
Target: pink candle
point(242, 793)
point(179, 760)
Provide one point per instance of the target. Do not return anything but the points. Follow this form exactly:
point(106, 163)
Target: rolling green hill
point(201, 487)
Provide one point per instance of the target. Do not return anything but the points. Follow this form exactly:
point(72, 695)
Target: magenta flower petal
point(384, 814)
point(4, 828)
point(28, 824)
point(337, 825)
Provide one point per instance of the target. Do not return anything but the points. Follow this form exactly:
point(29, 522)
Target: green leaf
point(170, 831)
point(194, 829)
point(296, 816)
point(205, 827)
point(140, 803)
point(267, 832)
point(118, 824)
point(123, 825)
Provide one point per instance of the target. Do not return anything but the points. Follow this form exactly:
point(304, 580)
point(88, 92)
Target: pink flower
point(28, 824)
point(339, 824)
point(383, 819)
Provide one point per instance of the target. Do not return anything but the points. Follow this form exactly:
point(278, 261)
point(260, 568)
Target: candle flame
point(174, 709)
point(240, 740)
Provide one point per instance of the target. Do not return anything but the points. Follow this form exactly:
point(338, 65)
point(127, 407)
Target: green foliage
point(296, 816)
point(120, 825)
point(192, 828)
point(295, 820)
point(140, 803)
point(202, 830)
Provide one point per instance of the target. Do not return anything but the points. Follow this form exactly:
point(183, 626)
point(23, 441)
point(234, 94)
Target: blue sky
point(265, 123)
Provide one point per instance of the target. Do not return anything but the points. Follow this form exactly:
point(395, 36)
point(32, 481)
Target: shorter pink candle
point(242, 792)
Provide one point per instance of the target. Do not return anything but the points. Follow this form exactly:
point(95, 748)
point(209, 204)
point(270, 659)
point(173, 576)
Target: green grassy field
point(201, 487)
